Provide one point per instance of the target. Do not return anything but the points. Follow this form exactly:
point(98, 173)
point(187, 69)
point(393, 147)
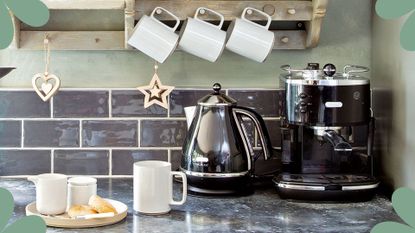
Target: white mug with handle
point(153, 187)
point(153, 37)
point(51, 193)
point(250, 39)
point(201, 38)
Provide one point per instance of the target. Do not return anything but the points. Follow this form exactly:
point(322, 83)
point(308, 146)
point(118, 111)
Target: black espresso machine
point(322, 113)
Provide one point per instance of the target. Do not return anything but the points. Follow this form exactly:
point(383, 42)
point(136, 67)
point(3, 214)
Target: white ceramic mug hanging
point(45, 84)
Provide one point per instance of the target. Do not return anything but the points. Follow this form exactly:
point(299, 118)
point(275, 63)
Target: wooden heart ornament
point(48, 86)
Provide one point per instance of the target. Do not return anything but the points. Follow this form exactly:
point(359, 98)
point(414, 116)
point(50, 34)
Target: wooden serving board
point(64, 221)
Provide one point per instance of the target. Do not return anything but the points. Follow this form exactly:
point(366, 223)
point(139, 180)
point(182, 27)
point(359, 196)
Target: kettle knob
point(216, 88)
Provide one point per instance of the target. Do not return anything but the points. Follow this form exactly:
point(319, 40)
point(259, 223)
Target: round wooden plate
point(64, 221)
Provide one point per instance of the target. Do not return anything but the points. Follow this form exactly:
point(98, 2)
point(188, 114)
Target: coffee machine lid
point(312, 74)
point(216, 98)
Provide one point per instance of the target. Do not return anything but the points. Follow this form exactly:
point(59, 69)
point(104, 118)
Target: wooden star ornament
point(155, 92)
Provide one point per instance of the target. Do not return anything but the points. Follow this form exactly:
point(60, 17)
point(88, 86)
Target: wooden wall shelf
point(85, 4)
point(309, 12)
point(79, 40)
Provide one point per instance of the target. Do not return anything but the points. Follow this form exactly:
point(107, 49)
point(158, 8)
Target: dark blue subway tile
point(123, 160)
point(23, 104)
point(24, 162)
point(265, 102)
point(110, 133)
point(131, 104)
point(81, 162)
point(51, 133)
point(179, 99)
point(162, 133)
point(67, 104)
point(175, 159)
point(10, 133)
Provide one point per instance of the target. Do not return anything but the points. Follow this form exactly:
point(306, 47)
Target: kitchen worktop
point(263, 211)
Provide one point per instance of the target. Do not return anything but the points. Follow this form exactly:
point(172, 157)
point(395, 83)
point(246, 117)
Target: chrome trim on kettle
point(214, 175)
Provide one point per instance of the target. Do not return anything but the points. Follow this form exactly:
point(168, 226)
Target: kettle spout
point(190, 115)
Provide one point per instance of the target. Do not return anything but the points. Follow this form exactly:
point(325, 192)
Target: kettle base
point(246, 191)
point(214, 186)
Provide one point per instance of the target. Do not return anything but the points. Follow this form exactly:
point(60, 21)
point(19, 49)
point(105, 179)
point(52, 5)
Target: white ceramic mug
point(201, 38)
point(250, 39)
point(80, 189)
point(51, 190)
point(155, 38)
point(153, 187)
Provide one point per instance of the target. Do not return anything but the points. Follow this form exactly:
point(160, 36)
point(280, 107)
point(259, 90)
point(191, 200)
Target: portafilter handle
point(337, 141)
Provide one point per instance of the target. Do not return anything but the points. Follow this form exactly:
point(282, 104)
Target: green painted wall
point(346, 38)
point(393, 75)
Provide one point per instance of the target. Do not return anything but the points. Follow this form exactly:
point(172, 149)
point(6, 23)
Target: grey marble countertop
point(263, 211)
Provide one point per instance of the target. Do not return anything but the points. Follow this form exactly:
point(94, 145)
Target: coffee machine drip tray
point(326, 187)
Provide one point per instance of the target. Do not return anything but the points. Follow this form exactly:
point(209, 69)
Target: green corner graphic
point(393, 9)
point(403, 201)
point(31, 12)
point(32, 224)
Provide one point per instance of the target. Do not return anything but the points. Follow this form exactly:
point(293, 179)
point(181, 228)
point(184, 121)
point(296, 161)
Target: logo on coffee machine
point(356, 95)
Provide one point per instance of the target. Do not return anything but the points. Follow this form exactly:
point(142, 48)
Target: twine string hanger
point(47, 54)
point(156, 67)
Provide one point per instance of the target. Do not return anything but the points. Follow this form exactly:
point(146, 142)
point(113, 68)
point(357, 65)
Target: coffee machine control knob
point(329, 70)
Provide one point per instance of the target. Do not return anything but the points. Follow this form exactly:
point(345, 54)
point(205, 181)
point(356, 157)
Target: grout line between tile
point(51, 102)
point(22, 136)
point(52, 161)
point(169, 155)
point(110, 163)
point(80, 134)
point(139, 133)
point(95, 176)
point(98, 119)
point(110, 103)
point(134, 89)
point(90, 148)
point(168, 106)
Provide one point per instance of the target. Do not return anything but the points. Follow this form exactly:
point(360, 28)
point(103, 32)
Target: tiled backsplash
point(102, 132)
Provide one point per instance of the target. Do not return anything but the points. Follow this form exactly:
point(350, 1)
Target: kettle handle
point(260, 127)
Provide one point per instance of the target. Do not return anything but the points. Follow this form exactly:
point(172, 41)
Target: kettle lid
point(216, 98)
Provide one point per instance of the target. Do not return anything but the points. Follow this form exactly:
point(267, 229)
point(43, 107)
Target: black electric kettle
point(217, 156)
